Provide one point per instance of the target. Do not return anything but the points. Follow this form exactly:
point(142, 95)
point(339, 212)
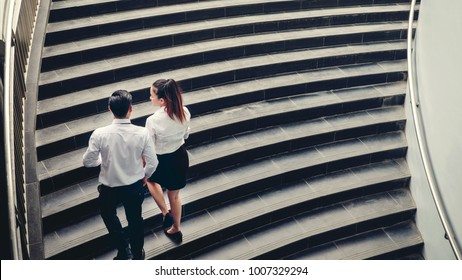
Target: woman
point(169, 127)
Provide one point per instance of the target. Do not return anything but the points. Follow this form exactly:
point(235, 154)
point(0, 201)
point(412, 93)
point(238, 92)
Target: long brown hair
point(171, 92)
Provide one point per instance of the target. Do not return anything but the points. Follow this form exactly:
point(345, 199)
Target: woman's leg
point(158, 196)
point(175, 209)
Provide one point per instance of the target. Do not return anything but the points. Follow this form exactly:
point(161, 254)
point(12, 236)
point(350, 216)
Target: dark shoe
point(176, 237)
point(140, 257)
point(167, 222)
point(124, 255)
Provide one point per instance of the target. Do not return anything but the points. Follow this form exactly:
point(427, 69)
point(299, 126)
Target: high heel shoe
point(167, 221)
point(176, 237)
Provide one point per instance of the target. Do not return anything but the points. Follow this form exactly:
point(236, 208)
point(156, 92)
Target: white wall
point(439, 81)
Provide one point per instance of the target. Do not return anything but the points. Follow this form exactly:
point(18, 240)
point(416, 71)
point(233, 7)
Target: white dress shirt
point(119, 148)
point(168, 135)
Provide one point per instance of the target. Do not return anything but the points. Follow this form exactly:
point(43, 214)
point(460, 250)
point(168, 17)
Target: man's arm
point(186, 134)
point(92, 156)
point(188, 121)
point(150, 157)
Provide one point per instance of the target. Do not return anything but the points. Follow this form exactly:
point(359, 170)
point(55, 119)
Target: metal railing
point(8, 126)
point(17, 44)
point(421, 141)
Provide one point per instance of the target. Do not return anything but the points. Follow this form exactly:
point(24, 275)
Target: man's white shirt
point(119, 148)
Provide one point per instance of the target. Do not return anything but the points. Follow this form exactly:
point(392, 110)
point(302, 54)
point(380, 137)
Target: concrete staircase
point(296, 148)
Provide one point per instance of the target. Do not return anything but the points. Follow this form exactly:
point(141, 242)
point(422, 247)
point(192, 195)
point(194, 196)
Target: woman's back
point(168, 134)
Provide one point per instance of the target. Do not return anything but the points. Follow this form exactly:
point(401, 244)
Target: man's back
point(122, 146)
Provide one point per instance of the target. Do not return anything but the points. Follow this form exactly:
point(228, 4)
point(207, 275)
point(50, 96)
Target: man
point(120, 149)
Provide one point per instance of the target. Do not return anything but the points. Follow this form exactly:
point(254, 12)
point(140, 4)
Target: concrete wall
point(438, 62)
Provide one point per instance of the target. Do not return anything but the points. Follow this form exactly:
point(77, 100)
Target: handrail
point(9, 133)
point(422, 143)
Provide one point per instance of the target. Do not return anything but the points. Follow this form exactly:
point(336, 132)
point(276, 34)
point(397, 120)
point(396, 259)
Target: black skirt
point(172, 170)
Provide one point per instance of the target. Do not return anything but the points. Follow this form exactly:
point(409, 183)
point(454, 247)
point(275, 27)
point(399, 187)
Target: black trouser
point(131, 197)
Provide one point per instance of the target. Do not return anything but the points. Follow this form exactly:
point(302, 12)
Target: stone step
point(240, 181)
point(83, 103)
point(304, 217)
point(79, 199)
point(318, 226)
point(415, 255)
point(72, 9)
point(76, 29)
point(113, 71)
point(74, 134)
point(104, 47)
point(60, 171)
point(393, 242)
point(297, 141)
point(99, 25)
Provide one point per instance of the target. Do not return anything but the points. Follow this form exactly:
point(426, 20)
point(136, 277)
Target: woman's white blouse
point(168, 135)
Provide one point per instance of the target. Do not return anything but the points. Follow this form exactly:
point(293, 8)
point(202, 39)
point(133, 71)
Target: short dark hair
point(120, 102)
